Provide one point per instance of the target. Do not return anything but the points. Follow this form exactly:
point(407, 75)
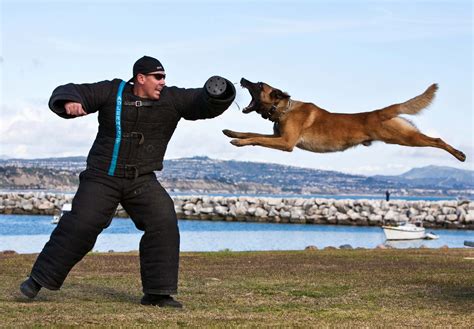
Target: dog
point(314, 129)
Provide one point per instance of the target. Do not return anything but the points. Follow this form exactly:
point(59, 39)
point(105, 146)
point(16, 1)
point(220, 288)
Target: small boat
point(431, 236)
point(404, 231)
point(65, 209)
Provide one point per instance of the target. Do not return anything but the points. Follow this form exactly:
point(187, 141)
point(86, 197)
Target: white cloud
point(33, 131)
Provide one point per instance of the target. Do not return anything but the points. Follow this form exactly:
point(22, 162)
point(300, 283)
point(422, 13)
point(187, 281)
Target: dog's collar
point(273, 109)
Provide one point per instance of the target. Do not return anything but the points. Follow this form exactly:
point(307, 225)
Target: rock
point(285, 214)
point(374, 219)
point(345, 246)
point(296, 213)
point(365, 213)
point(403, 218)
point(332, 220)
point(46, 205)
point(207, 210)
point(470, 206)
point(121, 213)
point(381, 246)
point(412, 212)
point(315, 219)
point(448, 210)
point(273, 212)
point(353, 215)
point(391, 215)
point(309, 203)
point(273, 201)
point(311, 248)
point(261, 212)
point(240, 210)
point(221, 210)
point(440, 219)
point(341, 206)
point(378, 211)
point(9, 252)
point(452, 217)
point(469, 218)
point(430, 218)
point(188, 206)
point(312, 210)
point(27, 205)
point(341, 217)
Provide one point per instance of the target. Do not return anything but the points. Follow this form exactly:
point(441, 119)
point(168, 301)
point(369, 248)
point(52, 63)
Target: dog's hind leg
point(424, 140)
point(403, 132)
point(418, 139)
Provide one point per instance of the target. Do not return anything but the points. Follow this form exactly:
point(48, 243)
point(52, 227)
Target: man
point(136, 122)
point(387, 195)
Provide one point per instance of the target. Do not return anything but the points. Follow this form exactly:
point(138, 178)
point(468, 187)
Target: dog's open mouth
point(252, 88)
point(249, 108)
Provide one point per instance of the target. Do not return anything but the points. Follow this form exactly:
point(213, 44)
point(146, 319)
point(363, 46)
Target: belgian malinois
point(314, 129)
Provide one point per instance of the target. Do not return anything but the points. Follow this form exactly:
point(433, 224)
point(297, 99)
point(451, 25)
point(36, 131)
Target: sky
point(344, 56)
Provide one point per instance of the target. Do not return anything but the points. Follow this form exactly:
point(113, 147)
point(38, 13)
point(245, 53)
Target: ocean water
point(28, 234)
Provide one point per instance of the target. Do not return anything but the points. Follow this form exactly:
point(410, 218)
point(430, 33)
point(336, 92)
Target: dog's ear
point(278, 94)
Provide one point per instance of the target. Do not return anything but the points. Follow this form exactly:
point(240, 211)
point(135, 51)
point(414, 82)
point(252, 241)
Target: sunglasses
point(158, 76)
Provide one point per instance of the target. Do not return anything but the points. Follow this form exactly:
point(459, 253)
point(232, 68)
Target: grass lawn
point(374, 288)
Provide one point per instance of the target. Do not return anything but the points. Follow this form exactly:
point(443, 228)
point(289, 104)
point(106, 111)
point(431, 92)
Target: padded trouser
point(93, 206)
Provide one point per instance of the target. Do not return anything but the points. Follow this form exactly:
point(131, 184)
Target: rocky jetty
point(440, 214)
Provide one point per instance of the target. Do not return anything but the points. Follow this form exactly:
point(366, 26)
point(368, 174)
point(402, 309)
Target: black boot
point(30, 288)
point(160, 300)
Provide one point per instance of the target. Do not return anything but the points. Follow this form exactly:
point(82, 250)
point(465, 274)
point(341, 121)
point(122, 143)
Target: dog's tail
point(412, 106)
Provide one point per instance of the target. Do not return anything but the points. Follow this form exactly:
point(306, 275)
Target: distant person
point(136, 121)
point(387, 195)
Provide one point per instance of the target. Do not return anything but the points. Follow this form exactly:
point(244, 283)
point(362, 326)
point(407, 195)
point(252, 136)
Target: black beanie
point(145, 65)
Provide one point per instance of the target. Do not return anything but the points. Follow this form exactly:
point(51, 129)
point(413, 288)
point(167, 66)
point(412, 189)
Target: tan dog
point(311, 128)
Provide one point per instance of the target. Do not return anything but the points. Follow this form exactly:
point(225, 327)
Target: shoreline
point(339, 196)
point(450, 214)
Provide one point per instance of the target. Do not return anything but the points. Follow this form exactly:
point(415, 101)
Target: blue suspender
point(118, 129)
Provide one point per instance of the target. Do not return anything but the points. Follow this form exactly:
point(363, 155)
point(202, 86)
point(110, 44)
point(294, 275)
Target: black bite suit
point(130, 145)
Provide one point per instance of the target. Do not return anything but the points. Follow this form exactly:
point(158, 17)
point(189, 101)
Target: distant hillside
point(435, 177)
point(15, 178)
point(205, 175)
point(438, 172)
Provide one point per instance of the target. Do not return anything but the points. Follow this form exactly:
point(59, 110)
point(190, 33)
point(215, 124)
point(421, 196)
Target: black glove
point(217, 86)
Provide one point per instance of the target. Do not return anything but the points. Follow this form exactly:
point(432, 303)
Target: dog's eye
point(260, 85)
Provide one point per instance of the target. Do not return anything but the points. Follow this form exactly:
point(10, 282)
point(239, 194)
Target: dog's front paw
point(229, 133)
point(237, 142)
